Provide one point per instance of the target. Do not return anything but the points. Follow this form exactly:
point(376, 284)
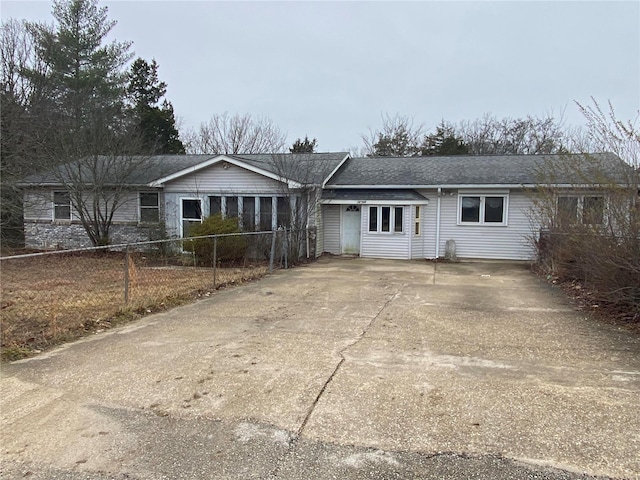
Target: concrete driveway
point(347, 368)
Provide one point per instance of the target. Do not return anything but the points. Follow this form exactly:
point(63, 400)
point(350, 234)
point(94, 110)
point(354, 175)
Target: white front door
point(351, 224)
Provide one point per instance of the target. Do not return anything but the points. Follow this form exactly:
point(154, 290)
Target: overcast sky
point(331, 69)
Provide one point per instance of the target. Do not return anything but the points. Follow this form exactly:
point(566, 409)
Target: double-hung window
point(482, 209)
point(386, 219)
point(149, 207)
point(61, 206)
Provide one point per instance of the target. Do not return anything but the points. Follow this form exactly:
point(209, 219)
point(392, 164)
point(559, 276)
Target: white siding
point(419, 242)
point(385, 245)
point(509, 242)
point(429, 223)
point(331, 227)
point(38, 204)
point(217, 179)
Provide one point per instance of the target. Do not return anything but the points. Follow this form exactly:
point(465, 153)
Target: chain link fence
point(52, 297)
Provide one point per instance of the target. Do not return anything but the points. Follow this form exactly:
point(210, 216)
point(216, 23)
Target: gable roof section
point(216, 160)
point(297, 169)
point(466, 171)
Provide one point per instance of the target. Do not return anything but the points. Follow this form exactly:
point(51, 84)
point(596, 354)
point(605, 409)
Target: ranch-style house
point(401, 208)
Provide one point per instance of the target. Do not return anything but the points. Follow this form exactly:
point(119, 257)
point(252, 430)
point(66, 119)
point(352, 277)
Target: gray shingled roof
point(373, 194)
point(471, 170)
point(385, 172)
point(304, 168)
point(144, 169)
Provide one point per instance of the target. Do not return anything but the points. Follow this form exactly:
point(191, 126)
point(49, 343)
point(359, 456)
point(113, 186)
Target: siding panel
point(216, 179)
point(38, 204)
point(510, 242)
point(429, 216)
point(420, 242)
point(331, 234)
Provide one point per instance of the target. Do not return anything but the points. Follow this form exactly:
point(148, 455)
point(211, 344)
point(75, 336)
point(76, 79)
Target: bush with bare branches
point(593, 235)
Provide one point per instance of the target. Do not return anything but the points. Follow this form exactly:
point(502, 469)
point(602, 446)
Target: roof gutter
point(469, 186)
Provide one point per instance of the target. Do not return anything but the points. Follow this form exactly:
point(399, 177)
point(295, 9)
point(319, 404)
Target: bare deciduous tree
point(235, 134)
point(512, 136)
point(399, 136)
point(99, 178)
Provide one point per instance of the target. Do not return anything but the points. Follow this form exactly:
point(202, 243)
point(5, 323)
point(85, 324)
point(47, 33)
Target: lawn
point(50, 299)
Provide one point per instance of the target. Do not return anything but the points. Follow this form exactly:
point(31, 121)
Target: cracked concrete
point(348, 368)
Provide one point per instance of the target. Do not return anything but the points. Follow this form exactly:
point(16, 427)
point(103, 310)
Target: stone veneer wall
point(61, 235)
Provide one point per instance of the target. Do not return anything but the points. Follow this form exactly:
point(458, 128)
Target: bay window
point(386, 219)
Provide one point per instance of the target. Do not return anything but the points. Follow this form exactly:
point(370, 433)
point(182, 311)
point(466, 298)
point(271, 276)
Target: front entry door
point(351, 223)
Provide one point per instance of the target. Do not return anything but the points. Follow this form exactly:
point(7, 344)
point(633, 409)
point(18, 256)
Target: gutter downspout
point(438, 225)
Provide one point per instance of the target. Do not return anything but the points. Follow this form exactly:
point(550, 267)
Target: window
point(416, 221)
point(284, 212)
point(482, 209)
point(232, 208)
point(567, 210)
point(493, 209)
point(61, 206)
point(248, 213)
point(386, 219)
point(191, 214)
point(373, 219)
point(149, 207)
point(397, 217)
point(215, 205)
point(592, 210)
point(588, 210)
point(266, 214)
point(470, 209)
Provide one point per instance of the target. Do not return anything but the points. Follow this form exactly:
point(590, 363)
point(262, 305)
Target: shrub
point(229, 249)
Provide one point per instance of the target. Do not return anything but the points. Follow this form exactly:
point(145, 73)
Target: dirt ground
point(346, 368)
point(51, 299)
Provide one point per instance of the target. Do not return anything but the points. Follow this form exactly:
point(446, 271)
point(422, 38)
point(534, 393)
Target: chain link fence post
point(273, 251)
point(286, 248)
point(126, 275)
point(215, 260)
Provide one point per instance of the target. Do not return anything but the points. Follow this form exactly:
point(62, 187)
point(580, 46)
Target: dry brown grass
point(47, 300)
